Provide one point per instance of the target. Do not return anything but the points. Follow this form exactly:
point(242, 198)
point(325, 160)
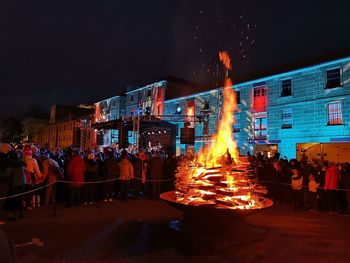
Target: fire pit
point(215, 205)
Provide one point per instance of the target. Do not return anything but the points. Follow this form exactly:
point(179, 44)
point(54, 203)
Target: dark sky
point(67, 52)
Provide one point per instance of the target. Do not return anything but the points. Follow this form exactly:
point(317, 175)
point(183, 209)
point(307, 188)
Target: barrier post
point(54, 207)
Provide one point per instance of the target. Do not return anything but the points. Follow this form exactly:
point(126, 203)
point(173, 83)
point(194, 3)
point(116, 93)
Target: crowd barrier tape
point(147, 180)
point(27, 192)
point(304, 186)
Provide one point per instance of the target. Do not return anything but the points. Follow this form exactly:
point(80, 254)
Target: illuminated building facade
point(300, 112)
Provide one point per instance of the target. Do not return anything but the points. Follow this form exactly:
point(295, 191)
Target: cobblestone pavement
point(137, 231)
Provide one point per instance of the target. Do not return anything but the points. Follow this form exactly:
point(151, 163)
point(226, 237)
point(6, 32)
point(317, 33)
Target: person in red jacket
point(331, 185)
point(75, 174)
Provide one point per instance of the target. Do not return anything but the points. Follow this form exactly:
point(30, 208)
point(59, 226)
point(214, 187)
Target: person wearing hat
point(33, 177)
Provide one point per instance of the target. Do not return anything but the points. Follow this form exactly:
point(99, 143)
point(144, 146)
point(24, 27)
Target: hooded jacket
point(332, 178)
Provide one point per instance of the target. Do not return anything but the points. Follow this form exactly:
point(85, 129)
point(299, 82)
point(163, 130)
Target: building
point(67, 127)
point(305, 111)
point(300, 112)
point(31, 129)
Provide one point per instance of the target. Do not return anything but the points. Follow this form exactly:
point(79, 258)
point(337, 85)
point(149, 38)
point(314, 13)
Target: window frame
point(290, 88)
point(330, 120)
point(327, 85)
point(289, 122)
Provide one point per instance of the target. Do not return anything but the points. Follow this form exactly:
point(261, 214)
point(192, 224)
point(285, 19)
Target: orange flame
point(223, 142)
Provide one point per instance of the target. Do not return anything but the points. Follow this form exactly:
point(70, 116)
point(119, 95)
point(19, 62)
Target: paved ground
point(137, 231)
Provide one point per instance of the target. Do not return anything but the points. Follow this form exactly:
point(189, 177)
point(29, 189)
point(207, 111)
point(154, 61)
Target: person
point(51, 172)
point(110, 171)
point(33, 178)
point(90, 176)
point(138, 170)
point(75, 174)
point(312, 194)
point(156, 172)
point(346, 184)
point(170, 167)
point(331, 186)
point(15, 171)
point(297, 186)
point(4, 179)
point(126, 174)
point(322, 203)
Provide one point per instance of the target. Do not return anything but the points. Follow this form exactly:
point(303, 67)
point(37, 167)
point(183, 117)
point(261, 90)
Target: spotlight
point(148, 133)
point(178, 109)
point(159, 131)
point(152, 132)
point(164, 131)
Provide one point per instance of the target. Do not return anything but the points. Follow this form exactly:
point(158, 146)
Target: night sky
point(67, 52)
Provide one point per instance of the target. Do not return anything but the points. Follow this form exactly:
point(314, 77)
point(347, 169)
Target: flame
point(223, 142)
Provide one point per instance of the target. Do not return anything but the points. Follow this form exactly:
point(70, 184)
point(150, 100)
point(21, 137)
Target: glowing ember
point(228, 183)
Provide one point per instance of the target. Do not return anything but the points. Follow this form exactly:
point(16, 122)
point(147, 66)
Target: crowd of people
point(84, 177)
point(77, 177)
point(311, 185)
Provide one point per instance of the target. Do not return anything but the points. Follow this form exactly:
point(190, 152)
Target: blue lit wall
point(308, 103)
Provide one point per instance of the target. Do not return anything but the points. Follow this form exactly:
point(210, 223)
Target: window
point(238, 97)
point(333, 78)
point(149, 93)
point(131, 97)
point(260, 123)
point(334, 113)
point(237, 125)
point(114, 102)
point(260, 92)
point(287, 118)
point(286, 88)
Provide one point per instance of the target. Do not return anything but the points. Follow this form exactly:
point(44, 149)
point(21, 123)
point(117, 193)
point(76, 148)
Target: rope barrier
point(147, 180)
point(25, 193)
point(304, 186)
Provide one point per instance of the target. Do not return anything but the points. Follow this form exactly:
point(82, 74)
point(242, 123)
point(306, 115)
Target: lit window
point(260, 127)
point(287, 118)
point(286, 88)
point(334, 113)
point(333, 78)
point(260, 92)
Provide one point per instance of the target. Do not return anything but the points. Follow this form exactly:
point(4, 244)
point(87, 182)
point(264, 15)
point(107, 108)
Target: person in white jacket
point(297, 186)
point(33, 177)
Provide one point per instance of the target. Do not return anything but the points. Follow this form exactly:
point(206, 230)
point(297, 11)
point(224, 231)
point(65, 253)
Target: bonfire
point(219, 177)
